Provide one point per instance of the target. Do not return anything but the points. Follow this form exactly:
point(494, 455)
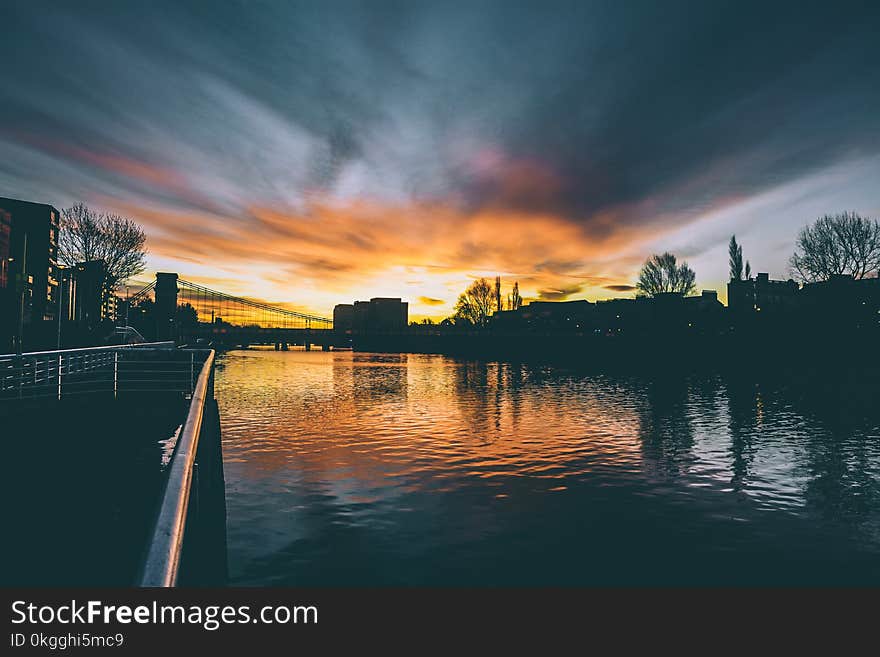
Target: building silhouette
point(662, 313)
point(762, 295)
point(343, 318)
point(838, 304)
point(86, 298)
point(705, 313)
point(378, 315)
point(842, 301)
point(556, 315)
point(29, 277)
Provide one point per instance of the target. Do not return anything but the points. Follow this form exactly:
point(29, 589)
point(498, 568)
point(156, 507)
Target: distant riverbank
point(804, 351)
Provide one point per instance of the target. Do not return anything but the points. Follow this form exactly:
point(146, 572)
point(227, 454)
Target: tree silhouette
point(475, 304)
point(662, 273)
point(87, 235)
point(498, 305)
point(735, 259)
point(142, 316)
point(187, 320)
point(187, 315)
point(514, 300)
point(837, 244)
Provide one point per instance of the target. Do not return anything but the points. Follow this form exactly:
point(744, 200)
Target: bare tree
point(662, 273)
point(88, 235)
point(748, 270)
point(837, 244)
point(475, 304)
point(498, 305)
point(735, 259)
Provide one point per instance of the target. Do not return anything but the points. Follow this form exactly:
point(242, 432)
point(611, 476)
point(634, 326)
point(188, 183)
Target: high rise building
point(29, 245)
point(388, 314)
point(89, 293)
point(378, 315)
point(343, 317)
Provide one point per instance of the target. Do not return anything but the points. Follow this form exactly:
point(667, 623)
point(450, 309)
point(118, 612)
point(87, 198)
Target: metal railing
point(126, 372)
point(148, 367)
point(163, 559)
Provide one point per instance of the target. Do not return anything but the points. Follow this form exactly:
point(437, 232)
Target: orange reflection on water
point(399, 469)
point(392, 423)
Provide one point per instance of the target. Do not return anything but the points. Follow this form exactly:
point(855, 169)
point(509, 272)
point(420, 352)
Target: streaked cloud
point(316, 152)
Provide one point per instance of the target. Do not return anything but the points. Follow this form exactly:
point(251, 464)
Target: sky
point(313, 153)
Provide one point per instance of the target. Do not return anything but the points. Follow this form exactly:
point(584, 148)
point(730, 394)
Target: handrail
point(140, 345)
point(163, 557)
point(112, 369)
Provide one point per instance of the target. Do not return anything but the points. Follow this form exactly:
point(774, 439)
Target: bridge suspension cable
point(212, 305)
point(142, 294)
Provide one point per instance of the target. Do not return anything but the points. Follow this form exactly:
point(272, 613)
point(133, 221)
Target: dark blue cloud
point(673, 105)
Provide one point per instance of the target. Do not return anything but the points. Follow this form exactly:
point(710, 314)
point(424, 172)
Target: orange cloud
point(325, 250)
point(329, 252)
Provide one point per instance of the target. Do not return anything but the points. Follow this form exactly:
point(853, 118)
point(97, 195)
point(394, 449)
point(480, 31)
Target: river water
point(383, 469)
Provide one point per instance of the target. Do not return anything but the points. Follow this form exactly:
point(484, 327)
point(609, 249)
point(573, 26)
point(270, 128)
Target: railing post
point(115, 374)
point(59, 377)
point(192, 371)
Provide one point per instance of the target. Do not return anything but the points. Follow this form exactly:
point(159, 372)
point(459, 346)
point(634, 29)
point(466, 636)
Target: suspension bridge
point(170, 308)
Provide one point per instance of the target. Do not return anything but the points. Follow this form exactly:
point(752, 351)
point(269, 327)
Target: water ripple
point(392, 468)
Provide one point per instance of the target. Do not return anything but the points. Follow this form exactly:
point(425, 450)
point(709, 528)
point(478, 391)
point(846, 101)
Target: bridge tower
point(166, 306)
